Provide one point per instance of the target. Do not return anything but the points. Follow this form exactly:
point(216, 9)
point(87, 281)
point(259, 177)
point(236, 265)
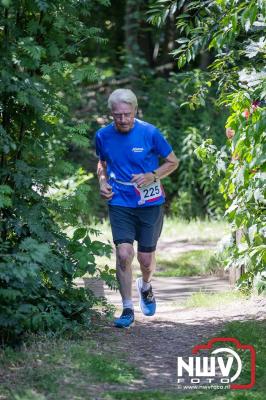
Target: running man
point(129, 177)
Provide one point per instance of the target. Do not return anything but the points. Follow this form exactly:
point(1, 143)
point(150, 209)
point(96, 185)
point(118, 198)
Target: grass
point(197, 394)
point(181, 230)
point(247, 332)
point(210, 300)
point(176, 231)
point(103, 367)
point(189, 263)
point(195, 230)
point(61, 369)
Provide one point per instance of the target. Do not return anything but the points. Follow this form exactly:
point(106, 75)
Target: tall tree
point(235, 31)
point(41, 65)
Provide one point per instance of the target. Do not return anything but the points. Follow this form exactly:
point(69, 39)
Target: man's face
point(123, 114)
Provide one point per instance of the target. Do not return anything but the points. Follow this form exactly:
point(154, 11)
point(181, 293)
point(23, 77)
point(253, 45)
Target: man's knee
point(146, 260)
point(125, 254)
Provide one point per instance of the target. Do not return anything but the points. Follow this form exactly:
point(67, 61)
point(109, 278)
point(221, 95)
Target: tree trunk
point(205, 60)
point(131, 28)
point(236, 273)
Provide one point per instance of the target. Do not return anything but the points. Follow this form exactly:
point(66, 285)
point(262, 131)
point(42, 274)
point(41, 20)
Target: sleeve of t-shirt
point(161, 146)
point(98, 147)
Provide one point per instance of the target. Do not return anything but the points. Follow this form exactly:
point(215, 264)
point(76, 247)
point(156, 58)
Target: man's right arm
point(105, 188)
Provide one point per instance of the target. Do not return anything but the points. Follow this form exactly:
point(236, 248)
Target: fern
point(31, 49)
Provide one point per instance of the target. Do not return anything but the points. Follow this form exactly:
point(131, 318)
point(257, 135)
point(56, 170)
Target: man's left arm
point(170, 164)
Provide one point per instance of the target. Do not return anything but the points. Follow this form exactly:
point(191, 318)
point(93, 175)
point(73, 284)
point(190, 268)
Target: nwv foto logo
point(223, 365)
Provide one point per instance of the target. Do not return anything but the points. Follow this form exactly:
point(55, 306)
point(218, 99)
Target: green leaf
point(37, 251)
point(31, 49)
point(181, 61)
point(182, 40)
point(79, 233)
point(5, 196)
point(80, 141)
point(258, 196)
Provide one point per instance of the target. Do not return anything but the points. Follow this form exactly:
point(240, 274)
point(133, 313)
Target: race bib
point(150, 192)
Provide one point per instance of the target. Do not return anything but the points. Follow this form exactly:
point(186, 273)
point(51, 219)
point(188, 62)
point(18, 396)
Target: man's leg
point(124, 258)
point(149, 230)
point(147, 265)
point(123, 230)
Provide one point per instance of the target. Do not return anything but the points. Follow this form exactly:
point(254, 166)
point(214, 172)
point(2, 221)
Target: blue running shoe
point(147, 301)
point(126, 319)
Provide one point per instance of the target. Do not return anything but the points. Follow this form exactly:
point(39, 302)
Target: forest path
point(153, 343)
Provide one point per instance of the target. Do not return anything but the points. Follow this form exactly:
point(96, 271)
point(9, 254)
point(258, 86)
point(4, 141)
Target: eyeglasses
point(120, 116)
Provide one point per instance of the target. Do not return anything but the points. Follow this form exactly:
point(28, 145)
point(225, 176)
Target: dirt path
point(154, 343)
point(171, 292)
point(178, 246)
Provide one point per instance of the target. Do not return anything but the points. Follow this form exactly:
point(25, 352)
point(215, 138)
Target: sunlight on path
point(170, 292)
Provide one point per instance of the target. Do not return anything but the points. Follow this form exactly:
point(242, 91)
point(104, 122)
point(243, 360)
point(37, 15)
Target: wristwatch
point(155, 175)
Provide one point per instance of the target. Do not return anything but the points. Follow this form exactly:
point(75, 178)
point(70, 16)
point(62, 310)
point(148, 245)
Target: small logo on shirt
point(137, 149)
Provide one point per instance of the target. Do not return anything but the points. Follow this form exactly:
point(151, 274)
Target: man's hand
point(143, 179)
point(106, 191)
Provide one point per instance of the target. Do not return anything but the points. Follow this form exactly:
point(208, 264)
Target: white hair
point(122, 96)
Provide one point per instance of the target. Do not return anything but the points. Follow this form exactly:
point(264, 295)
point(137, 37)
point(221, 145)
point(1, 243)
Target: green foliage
point(137, 56)
point(5, 196)
point(41, 67)
point(190, 192)
point(234, 31)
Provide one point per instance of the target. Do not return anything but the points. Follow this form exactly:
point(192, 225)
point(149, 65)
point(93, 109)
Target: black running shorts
point(143, 224)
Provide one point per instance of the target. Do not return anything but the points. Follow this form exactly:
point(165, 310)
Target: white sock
point(145, 285)
point(128, 303)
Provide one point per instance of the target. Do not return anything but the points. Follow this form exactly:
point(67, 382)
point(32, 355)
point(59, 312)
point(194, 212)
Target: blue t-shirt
point(134, 152)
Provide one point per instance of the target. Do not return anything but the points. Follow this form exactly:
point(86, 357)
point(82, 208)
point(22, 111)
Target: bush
point(41, 68)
